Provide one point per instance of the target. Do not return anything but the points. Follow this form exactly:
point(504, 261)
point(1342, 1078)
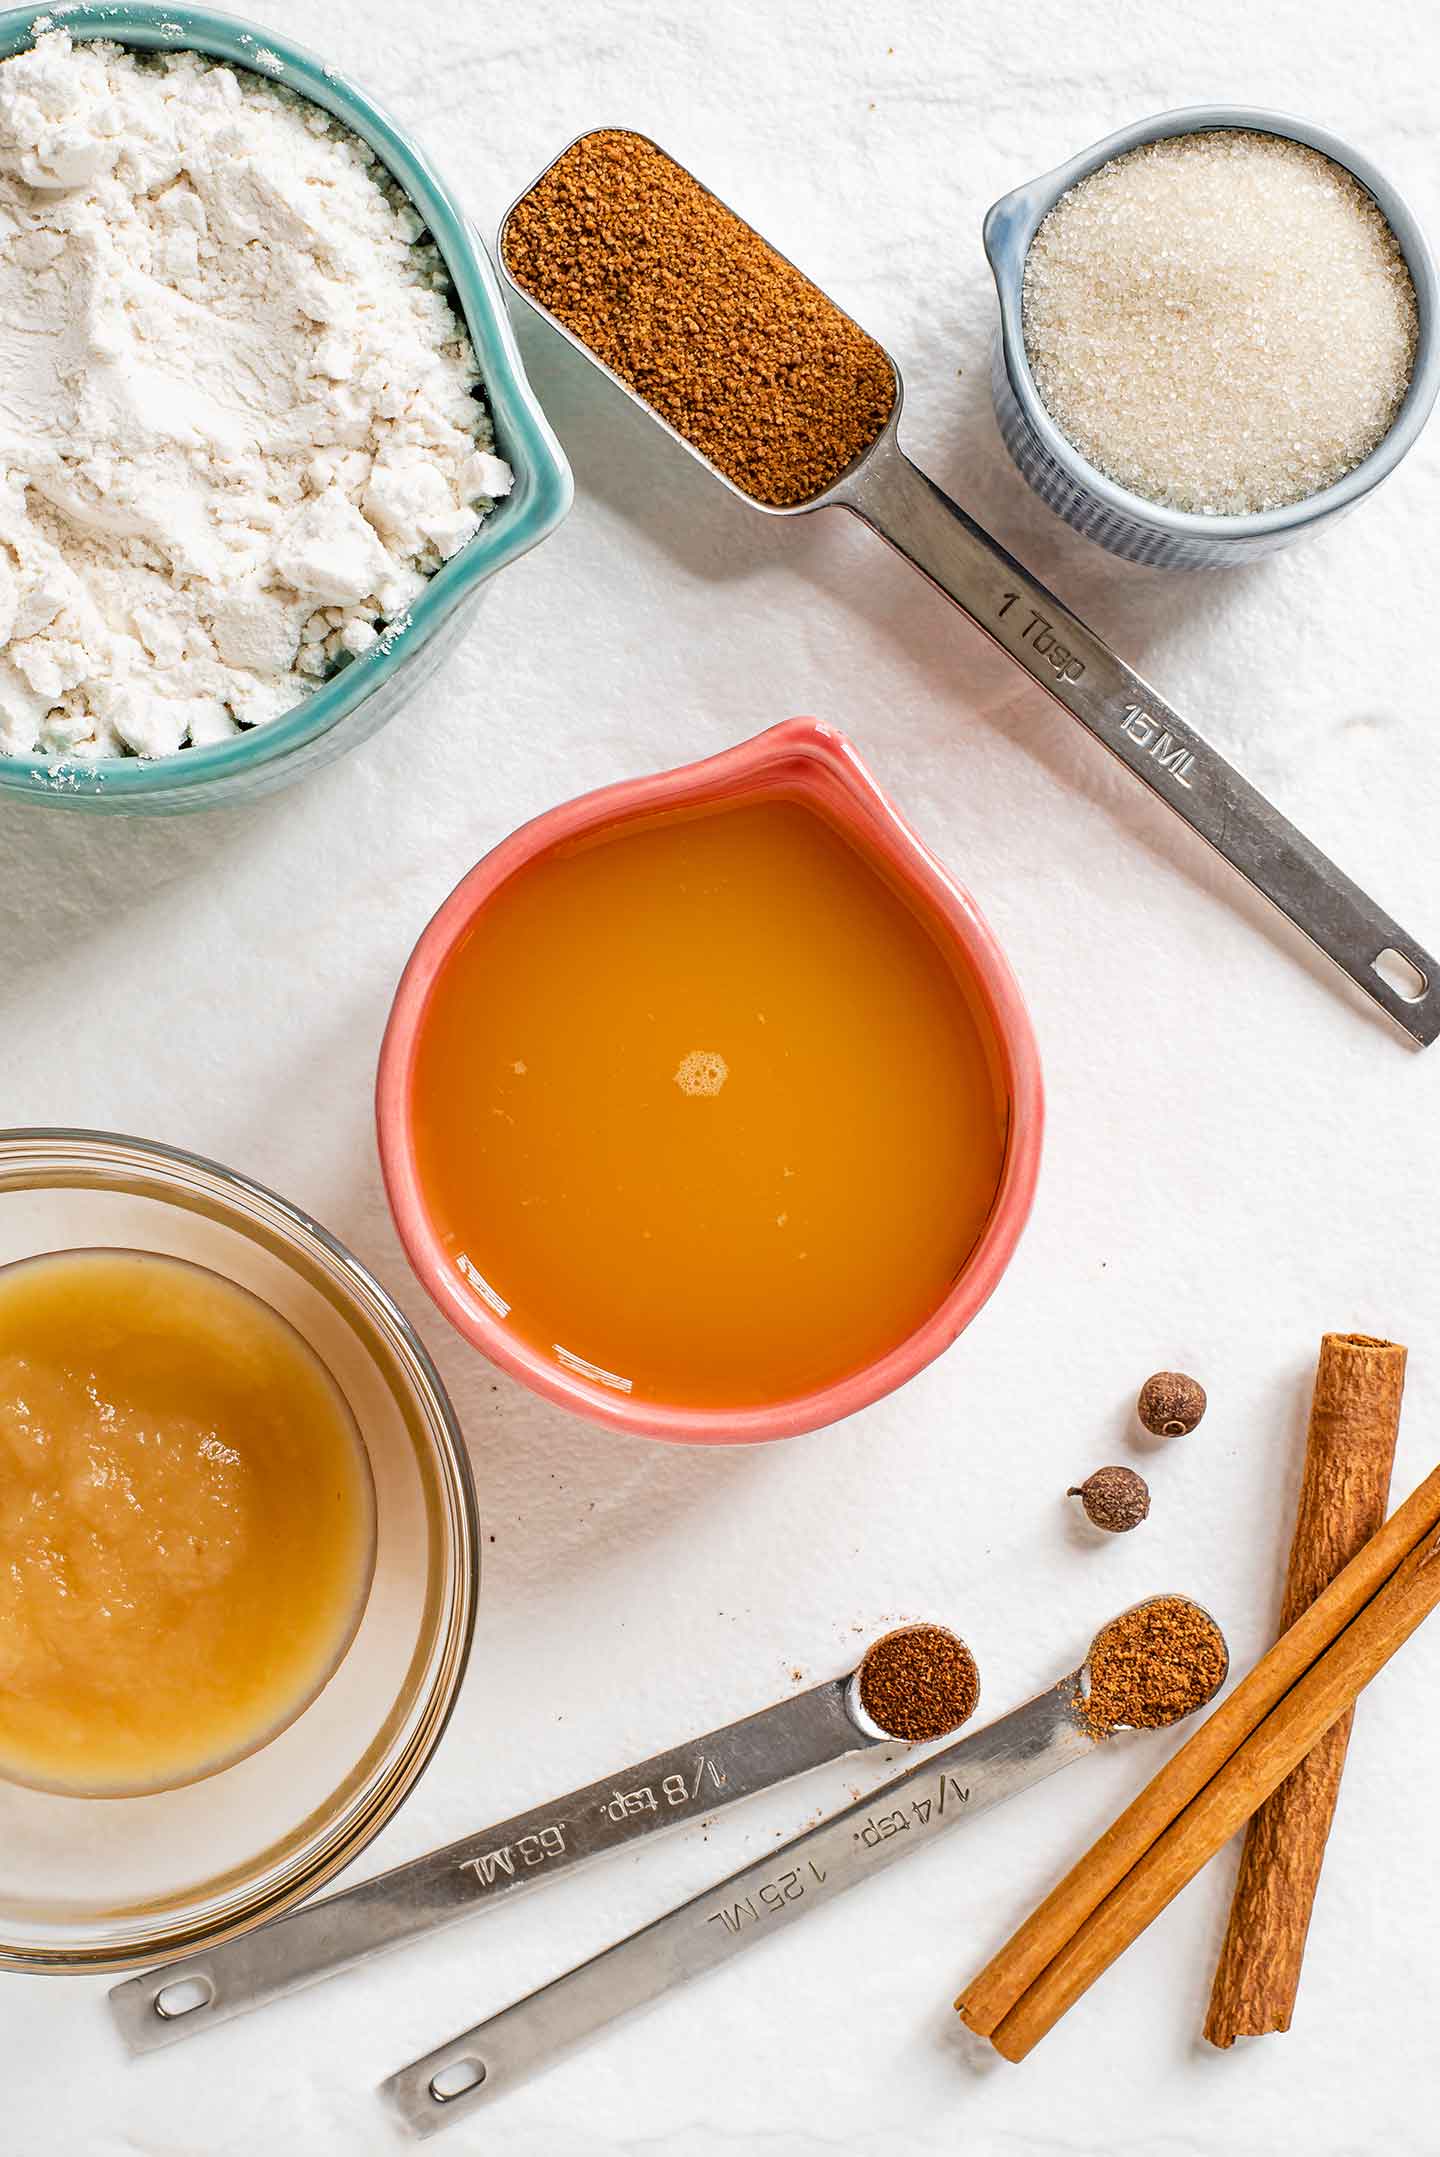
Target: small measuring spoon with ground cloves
point(1148, 1667)
point(916, 1683)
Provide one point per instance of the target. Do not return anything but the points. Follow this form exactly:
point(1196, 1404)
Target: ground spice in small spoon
point(918, 1683)
point(756, 367)
point(1152, 1665)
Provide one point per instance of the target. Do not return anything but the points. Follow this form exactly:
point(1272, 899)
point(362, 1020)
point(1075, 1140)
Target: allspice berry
point(1170, 1404)
point(1115, 1499)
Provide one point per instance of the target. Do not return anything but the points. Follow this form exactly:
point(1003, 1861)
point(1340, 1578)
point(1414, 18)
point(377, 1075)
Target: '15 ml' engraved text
point(1159, 742)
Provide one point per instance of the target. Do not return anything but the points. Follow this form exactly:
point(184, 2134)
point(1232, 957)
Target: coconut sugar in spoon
point(872, 1705)
point(564, 223)
point(1063, 1725)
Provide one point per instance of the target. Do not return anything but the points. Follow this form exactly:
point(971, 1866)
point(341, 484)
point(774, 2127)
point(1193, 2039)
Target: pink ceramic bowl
point(805, 761)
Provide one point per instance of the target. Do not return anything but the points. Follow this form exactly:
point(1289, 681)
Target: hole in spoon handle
point(182, 1996)
point(1403, 974)
point(1079, 670)
point(438, 2090)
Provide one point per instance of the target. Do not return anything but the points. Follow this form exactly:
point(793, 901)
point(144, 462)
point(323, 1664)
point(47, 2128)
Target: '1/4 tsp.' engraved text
point(919, 1813)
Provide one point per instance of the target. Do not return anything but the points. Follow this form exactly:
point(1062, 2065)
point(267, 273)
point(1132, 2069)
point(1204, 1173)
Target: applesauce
point(187, 1522)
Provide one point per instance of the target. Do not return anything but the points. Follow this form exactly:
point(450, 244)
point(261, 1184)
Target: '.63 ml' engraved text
point(526, 1852)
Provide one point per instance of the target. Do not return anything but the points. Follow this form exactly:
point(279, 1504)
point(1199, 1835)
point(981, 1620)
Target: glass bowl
point(111, 1883)
point(358, 700)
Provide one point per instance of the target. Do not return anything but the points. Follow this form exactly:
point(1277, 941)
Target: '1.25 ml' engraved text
point(769, 1900)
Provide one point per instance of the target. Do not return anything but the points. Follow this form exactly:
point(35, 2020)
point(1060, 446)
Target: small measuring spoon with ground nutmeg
point(916, 1683)
point(794, 407)
point(1149, 1667)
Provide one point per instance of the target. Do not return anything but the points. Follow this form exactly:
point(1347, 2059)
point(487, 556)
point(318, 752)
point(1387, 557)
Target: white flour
point(237, 426)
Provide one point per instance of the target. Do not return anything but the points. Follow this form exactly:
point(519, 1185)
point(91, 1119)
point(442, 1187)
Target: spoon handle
point(686, 1783)
point(941, 1791)
point(1123, 712)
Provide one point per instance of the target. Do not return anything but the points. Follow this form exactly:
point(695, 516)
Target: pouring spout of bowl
point(804, 761)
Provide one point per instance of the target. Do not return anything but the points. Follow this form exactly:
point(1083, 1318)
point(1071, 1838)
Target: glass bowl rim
point(372, 1809)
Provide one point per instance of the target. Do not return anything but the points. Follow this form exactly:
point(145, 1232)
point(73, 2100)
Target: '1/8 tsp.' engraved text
point(512, 1860)
point(675, 1790)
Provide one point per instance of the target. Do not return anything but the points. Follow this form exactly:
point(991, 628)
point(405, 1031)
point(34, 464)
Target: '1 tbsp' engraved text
point(526, 1852)
point(1041, 638)
point(1159, 742)
point(919, 1813)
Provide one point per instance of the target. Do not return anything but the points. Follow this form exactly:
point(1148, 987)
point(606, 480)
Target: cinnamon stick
point(989, 1997)
point(1308, 1710)
point(1349, 1450)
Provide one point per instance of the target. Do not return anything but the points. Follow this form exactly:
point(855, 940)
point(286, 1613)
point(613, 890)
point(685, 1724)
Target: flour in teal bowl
point(240, 422)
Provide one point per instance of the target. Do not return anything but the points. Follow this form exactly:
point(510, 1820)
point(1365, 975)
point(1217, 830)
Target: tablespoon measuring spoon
point(939, 1792)
point(1078, 669)
point(688, 1782)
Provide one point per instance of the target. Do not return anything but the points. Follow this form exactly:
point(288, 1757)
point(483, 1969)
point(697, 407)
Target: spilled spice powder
point(1153, 1664)
point(918, 1683)
point(750, 362)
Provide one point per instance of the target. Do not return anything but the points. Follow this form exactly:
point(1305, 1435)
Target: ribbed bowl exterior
point(1122, 522)
point(1132, 540)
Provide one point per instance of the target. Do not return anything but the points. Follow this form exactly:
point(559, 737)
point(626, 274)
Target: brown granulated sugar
point(919, 1682)
point(1152, 1665)
point(728, 342)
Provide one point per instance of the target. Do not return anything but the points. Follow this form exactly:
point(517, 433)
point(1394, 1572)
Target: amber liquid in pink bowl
point(713, 1109)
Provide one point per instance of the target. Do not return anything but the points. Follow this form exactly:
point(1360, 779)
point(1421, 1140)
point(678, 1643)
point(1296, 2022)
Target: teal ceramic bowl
point(358, 700)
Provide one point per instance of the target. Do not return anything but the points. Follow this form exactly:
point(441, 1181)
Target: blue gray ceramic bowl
point(1126, 523)
point(371, 689)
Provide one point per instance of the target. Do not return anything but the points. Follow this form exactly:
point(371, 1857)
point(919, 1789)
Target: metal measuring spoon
point(1078, 669)
point(941, 1791)
point(688, 1782)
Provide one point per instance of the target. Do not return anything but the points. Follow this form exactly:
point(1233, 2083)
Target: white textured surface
point(1239, 1156)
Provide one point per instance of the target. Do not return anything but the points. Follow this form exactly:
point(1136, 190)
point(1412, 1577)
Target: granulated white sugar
point(1220, 322)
